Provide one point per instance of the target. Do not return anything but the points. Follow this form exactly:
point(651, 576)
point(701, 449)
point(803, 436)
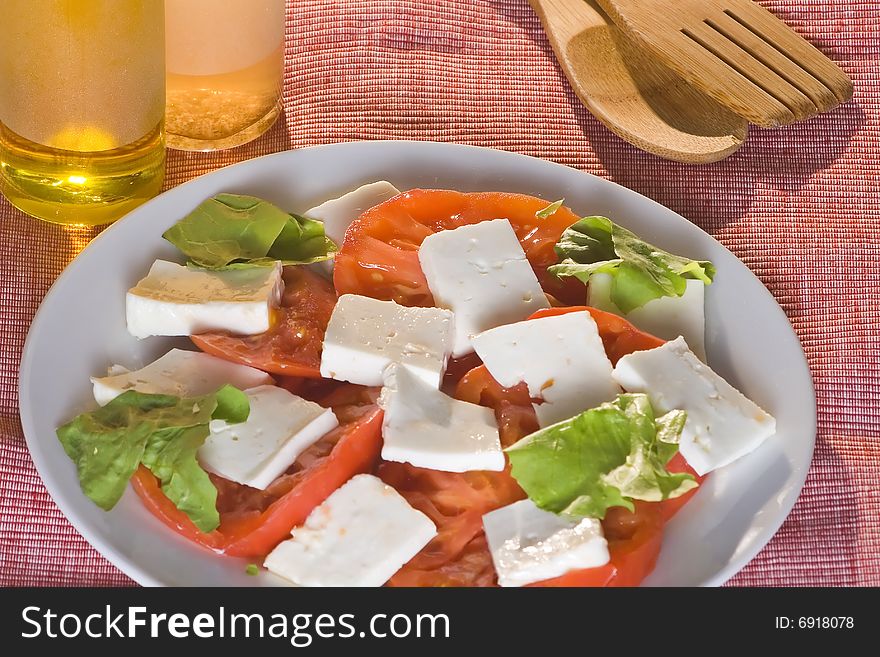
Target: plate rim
point(131, 568)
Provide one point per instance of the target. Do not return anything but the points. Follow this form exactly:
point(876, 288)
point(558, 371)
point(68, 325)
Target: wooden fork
point(738, 53)
point(633, 94)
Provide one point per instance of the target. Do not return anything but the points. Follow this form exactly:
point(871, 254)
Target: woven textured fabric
point(800, 206)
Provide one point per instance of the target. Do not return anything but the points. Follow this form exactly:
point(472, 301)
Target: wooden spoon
point(639, 99)
point(739, 53)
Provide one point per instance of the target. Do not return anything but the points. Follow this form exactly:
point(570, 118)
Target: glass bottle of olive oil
point(82, 96)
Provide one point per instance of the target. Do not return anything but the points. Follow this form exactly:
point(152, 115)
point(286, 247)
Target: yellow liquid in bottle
point(81, 107)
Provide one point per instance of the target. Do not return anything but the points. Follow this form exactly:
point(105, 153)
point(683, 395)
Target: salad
point(426, 388)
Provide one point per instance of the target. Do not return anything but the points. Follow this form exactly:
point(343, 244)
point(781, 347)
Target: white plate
point(80, 329)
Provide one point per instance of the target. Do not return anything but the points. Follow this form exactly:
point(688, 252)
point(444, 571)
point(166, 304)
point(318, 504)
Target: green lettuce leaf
point(232, 231)
point(604, 457)
point(107, 445)
point(161, 431)
point(171, 456)
point(641, 272)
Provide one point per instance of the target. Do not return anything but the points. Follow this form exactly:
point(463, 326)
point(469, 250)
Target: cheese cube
point(366, 335)
point(359, 536)
point(338, 213)
point(666, 317)
point(179, 373)
point(175, 300)
point(722, 425)
point(280, 427)
point(531, 545)
point(430, 429)
point(561, 358)
point(480, 272)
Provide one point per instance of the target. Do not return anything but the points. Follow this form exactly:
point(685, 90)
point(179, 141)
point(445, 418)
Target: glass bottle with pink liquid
point(225, 65)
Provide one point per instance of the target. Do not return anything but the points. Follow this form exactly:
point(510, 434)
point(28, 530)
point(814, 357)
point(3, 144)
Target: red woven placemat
point(800, 206)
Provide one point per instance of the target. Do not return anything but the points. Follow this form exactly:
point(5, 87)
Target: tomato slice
point(678, 464)
point(459, 556)
point(513, 407)
point(587, 577)
point(618, 336)
point(292, 346)
point(379, 257)
point(252, 522)
point(634, 541)
point(455, 503)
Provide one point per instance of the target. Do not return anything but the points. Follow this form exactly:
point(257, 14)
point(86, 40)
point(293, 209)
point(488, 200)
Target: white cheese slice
point(430, 429)
point(179, 373)
point(338, 213)
point(722, 425)
point(531, 545)
point(175, 300)
point(561, 359)
point(279, 428)
point(366, 335)
point(666, 317)
point(481, 273)
point(359, 536)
